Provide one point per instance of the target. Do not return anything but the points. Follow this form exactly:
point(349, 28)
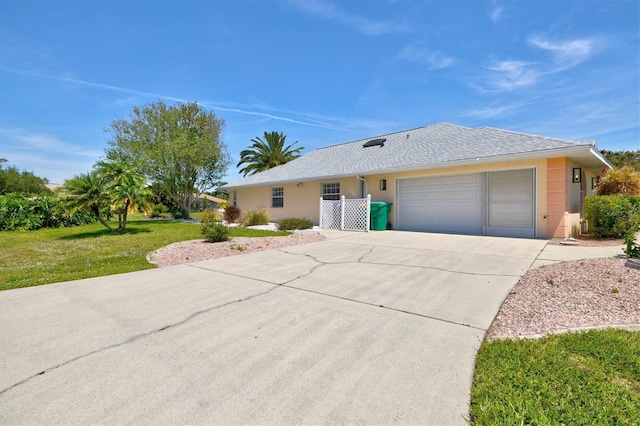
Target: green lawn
point(590, 378)
point(46, 256)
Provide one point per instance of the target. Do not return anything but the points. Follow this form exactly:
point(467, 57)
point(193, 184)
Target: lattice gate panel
point(353, 214)
point(330, 213)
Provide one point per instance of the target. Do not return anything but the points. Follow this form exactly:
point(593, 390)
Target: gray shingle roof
point(428, 146)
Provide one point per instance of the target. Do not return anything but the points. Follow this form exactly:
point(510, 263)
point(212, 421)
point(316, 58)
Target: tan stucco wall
point(301, 200)
point(557, 196)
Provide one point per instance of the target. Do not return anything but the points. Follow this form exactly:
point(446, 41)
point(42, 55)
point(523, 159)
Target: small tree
point(126, 189)
point(87, 191)
point(623, 181)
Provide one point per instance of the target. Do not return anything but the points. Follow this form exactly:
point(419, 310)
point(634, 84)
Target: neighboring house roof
point(438, 145)
point(53, 186)
point(211, 198)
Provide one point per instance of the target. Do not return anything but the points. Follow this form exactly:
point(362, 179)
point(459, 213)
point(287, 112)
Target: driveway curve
point(362, 328)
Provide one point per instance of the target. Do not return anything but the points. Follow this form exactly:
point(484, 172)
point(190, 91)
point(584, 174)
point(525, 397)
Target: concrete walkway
point(367, 328)
point(553, 253)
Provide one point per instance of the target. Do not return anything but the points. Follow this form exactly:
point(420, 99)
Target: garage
point(500, 203)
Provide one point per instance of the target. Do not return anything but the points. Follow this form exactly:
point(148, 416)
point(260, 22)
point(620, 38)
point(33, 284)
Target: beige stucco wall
point(301, 200)
point(557, 196)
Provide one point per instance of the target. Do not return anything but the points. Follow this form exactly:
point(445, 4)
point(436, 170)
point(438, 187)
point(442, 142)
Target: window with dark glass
point(277, 197)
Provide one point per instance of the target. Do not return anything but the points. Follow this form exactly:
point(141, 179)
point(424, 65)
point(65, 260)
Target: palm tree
point(86, 191)
point(265, 154)
point(126, 188)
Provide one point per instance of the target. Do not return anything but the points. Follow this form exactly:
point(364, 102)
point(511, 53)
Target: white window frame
point(329, 191)
point(277, 193)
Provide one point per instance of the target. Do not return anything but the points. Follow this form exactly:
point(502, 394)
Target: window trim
point(277, 193)
point(330, 195)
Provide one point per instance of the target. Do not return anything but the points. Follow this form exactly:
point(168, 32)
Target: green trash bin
point(379, 215)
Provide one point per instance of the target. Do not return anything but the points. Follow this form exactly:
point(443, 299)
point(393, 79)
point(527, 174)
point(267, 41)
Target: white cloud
point(513, 74)
point(492, 112)
point(434, 60)
point(565, 54)
point(496, 14)
point(46, 155)
point(364, 25)
point(516, 74)
point(24, 140)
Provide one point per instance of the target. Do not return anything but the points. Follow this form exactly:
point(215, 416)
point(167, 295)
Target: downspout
point(366, 186)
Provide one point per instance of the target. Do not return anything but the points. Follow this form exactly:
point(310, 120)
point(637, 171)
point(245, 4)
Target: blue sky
point(321, 71)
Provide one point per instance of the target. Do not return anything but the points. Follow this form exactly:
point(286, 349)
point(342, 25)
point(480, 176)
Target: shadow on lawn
point(105, 232)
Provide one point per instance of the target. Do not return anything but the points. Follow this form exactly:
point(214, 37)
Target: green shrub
point(255, 217)
point(20, 212)
point(231, 214)
point(294, 223)
point(157, 210)
point(631, 249)
point(212, 228)
point(612, 215)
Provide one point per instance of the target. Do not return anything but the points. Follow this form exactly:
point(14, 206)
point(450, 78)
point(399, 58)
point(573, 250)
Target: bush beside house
point(612, 216)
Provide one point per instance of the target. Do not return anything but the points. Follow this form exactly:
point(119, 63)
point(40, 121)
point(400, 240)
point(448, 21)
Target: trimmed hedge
point(612, 215)
point(292, 223)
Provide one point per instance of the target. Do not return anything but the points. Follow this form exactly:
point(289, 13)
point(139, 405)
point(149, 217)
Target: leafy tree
point(265, 154)
point(13, 180)
point(177, 147)
point(125, 187)
point(87, 191)
point(623, 158)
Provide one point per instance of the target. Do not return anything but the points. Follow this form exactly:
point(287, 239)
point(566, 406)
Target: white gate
point(353, 214)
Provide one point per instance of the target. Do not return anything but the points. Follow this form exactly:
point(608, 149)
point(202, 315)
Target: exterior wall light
point(577, 175)
point(383, 184)
point(594, 182)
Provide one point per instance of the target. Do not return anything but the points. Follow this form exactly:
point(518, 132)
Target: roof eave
point(583, 154)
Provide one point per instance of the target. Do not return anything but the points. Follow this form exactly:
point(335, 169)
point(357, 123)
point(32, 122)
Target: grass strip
point(588, 378)
point(31, 258)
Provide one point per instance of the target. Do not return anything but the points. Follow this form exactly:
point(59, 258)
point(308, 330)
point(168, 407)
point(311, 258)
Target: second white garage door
point(451, 204)
point(490, 203)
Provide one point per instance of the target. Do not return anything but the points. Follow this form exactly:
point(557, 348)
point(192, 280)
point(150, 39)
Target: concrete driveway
point(363, 328)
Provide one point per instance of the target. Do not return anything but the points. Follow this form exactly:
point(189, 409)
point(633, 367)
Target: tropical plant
point(622, 181)
point(126, 189)
point(87, 191)
point(264, 154)
point(177, 147)
point(255, 217)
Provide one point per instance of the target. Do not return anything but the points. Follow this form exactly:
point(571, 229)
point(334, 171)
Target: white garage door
point(511, 203)
point(500, 203)
point(451, 204)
